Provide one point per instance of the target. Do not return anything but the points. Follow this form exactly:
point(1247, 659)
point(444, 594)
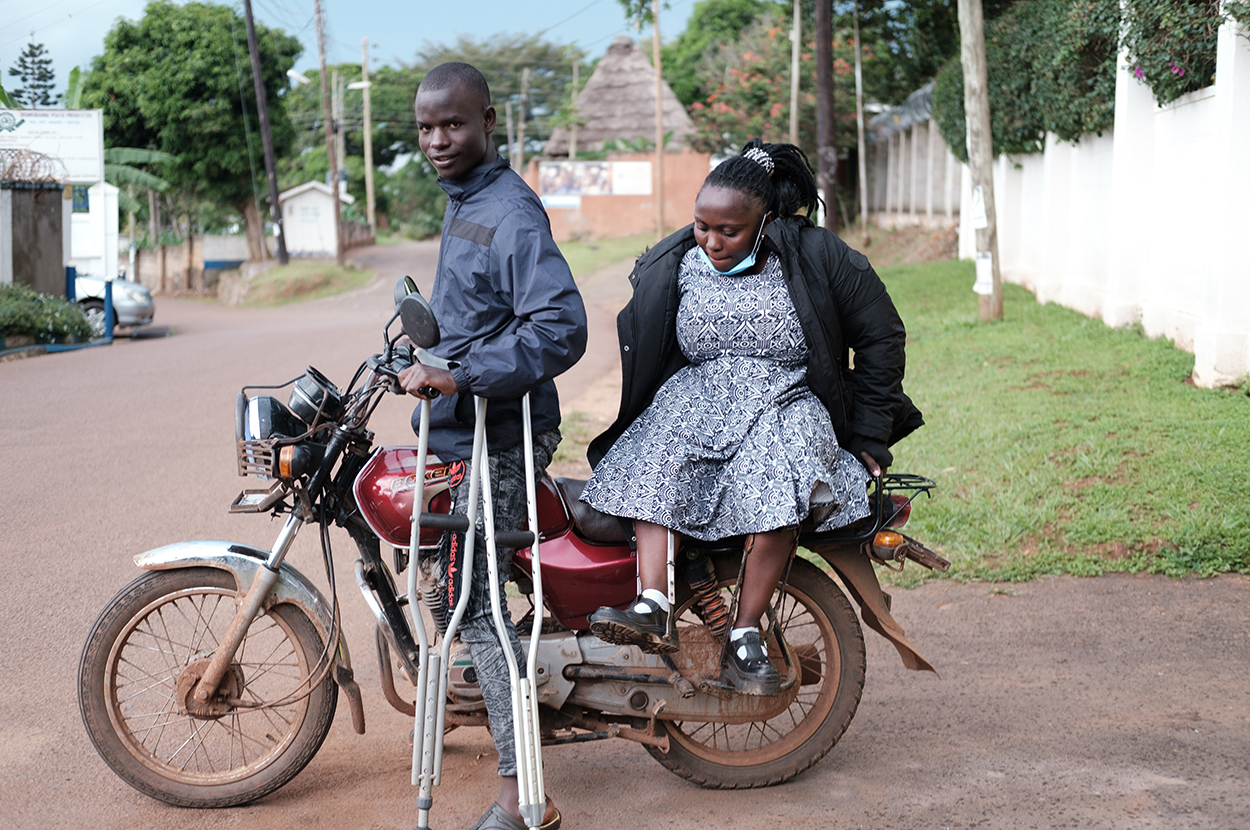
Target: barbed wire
point(31, 167)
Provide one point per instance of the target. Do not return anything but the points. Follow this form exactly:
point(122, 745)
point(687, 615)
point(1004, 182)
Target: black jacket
point(842, 305)
point(508, 310)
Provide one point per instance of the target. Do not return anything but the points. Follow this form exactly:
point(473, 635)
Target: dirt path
point(1116, 702)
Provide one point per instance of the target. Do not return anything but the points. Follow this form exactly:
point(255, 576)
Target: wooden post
point(796, 34)
point(889, 170)
point(859, 128)
point(826, 138)
point(573, 113)
point(266, 135)
point(368, 137)
point(915, 174)
point(949, 165)
point(980, 152)
point(520, 132)
point(659, 121)
point(929, 153)
point(328, 117)
point(507, 109)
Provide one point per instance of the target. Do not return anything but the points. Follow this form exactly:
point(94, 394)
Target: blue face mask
point(747, 261)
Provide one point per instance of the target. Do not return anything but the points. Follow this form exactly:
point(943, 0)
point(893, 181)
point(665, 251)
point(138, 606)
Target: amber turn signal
point(887, 539)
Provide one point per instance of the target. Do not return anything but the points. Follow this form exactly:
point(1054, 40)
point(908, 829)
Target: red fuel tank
point(384, 488)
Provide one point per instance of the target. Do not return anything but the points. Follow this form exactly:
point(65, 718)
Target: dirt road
point(1113, 702)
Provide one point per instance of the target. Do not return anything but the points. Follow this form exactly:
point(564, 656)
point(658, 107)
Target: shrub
point(1051, 67)
point(46, 318)
point(1172, 44)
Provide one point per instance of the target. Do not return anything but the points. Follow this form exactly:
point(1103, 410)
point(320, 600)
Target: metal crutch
point(430, 715)
point(532, 799)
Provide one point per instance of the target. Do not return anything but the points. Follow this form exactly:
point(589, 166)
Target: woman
point(740, 414)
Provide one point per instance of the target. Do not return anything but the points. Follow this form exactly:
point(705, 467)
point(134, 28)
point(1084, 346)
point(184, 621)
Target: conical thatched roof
point(619, 102)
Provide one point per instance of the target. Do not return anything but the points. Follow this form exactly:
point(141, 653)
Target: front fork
point(266, 577)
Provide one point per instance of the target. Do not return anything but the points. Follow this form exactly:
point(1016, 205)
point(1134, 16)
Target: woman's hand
point(870, 463)
point(417, 376)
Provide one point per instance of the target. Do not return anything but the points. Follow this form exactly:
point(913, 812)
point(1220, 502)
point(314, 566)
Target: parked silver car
point(132, 303)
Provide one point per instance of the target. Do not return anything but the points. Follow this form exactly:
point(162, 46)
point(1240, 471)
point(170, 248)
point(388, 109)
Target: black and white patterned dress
point(735, 442)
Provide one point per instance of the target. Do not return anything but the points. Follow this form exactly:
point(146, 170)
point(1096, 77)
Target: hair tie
point(760, 156)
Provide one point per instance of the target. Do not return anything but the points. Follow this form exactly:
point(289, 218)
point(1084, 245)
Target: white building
point(308, 219)
point(94, 234)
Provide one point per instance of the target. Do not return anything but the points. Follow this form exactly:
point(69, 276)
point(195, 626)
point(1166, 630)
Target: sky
point(73, 31)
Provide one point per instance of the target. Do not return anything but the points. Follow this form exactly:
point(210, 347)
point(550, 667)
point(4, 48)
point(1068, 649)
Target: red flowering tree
point(749, 83)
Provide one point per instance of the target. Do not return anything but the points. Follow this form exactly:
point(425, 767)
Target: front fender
point(243, 561)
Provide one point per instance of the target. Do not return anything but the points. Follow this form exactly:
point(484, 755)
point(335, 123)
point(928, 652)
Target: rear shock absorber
point(432, 595)
point(709, 604)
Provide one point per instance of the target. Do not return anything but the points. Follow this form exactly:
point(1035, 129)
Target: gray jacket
point(508, 310)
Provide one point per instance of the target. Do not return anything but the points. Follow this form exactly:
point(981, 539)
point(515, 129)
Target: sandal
point(497, 818)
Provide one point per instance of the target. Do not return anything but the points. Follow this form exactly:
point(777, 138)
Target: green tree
point(33, 69)
point(178, 81)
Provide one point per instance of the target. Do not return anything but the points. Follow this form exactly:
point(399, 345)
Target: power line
point(54, 23)
point(32, 14)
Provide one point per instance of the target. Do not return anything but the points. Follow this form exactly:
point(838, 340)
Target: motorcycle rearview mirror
point(418, 321)
point(403, 287)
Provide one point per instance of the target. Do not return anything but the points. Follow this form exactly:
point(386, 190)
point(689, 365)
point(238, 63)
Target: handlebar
point(392, 369)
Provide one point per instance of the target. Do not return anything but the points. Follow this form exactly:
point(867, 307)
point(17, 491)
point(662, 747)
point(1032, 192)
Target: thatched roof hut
point(619, 102)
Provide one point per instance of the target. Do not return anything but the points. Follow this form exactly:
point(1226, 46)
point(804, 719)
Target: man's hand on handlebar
point(421, 381)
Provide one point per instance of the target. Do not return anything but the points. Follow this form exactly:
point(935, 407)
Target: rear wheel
point(823, 632)
point(162, 627)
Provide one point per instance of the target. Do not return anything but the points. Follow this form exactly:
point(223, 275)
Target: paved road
point(1113, 702)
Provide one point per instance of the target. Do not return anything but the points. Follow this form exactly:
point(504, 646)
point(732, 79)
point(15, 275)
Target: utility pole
point(340, 121)
point(989, 284)
point(328, 117)
point(573, 112)
point(364, 75)
point(859, 127)
point(826, 136)
point(266, 136)
point(507, 108)
point(796, 34)
point(659, 120)
point(520, 130)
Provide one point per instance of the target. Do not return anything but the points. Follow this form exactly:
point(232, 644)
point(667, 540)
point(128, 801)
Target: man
point(511, 315)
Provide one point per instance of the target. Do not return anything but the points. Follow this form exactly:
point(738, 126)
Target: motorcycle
point(213, 678)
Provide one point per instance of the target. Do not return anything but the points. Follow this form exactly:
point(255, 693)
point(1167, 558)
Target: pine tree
point(34, 69)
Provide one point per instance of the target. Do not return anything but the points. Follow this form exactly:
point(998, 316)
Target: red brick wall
point(604, 217)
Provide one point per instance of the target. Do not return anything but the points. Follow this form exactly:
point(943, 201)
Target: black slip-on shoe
point(646, 630)
point(749, 668)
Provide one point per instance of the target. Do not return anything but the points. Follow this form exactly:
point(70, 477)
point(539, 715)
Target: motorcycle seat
point(590, 524)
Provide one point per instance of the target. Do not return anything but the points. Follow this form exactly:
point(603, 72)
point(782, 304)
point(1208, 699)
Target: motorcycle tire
point(821, 628)
point(146, 636)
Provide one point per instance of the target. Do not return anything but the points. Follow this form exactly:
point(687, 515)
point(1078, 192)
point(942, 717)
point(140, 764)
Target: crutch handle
point(515, 539)
point(445, 521)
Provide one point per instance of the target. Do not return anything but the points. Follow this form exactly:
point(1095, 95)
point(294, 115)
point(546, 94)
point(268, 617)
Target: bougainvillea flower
point(1137, 70)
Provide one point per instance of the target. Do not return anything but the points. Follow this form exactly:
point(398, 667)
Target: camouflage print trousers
point(477, 628)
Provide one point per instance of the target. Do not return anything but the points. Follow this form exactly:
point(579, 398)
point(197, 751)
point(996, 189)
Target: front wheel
point(93, 310)
point(823, 633)
point(147, 637)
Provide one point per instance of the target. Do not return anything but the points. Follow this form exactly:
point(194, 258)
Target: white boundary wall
point(1148, 222)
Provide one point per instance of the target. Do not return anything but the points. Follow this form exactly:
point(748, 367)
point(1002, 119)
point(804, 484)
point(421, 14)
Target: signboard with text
point(562, 184)
point(75, 138)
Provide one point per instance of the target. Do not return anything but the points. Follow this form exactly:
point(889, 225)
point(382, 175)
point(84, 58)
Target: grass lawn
point(1061, 445)
point(299, 281)
point(588, 257)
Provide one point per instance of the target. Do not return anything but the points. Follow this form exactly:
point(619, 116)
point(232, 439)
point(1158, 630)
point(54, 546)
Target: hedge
point(1052, 65)
point(47, 319)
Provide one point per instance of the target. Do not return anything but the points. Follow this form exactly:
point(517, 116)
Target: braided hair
point(778, 176)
